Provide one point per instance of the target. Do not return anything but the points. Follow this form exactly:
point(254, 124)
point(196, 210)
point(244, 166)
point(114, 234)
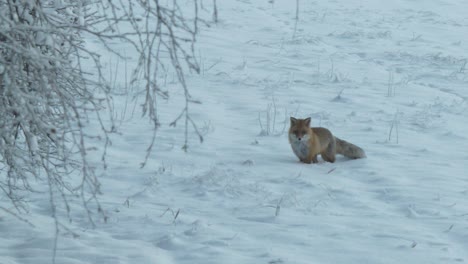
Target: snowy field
point(388, 76)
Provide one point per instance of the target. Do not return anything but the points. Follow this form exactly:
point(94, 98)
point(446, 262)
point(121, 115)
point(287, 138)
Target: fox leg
point(314, 159)
point(329, 153)
point(328, 158)
point(310, 159)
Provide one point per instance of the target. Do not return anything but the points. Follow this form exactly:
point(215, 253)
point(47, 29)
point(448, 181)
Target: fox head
point(300, 129)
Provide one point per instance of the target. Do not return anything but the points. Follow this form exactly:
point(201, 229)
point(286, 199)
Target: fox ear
point(293, 121)
point(307, 121)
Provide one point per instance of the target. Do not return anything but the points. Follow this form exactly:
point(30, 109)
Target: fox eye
point(304, 132)
point(295, 131)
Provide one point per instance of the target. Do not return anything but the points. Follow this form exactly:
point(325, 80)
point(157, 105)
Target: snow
point(389, 77)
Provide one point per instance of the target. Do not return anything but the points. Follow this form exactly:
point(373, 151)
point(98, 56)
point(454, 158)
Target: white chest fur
point(300, 147)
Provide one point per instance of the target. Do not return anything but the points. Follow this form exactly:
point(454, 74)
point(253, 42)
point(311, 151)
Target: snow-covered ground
point(389, 76)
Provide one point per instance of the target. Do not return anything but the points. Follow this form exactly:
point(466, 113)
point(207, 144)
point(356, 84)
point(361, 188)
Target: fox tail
point(349, 150)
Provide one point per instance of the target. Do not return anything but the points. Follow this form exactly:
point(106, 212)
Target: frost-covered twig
point(215, 12)
point(296, 19)
point(395, 123)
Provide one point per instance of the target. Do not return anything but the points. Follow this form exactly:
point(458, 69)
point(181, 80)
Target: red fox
point(307, 143)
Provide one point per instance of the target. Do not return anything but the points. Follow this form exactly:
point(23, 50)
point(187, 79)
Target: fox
point(307, 142)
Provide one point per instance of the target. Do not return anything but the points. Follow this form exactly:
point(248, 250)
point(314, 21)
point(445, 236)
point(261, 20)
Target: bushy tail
point(349, 150)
